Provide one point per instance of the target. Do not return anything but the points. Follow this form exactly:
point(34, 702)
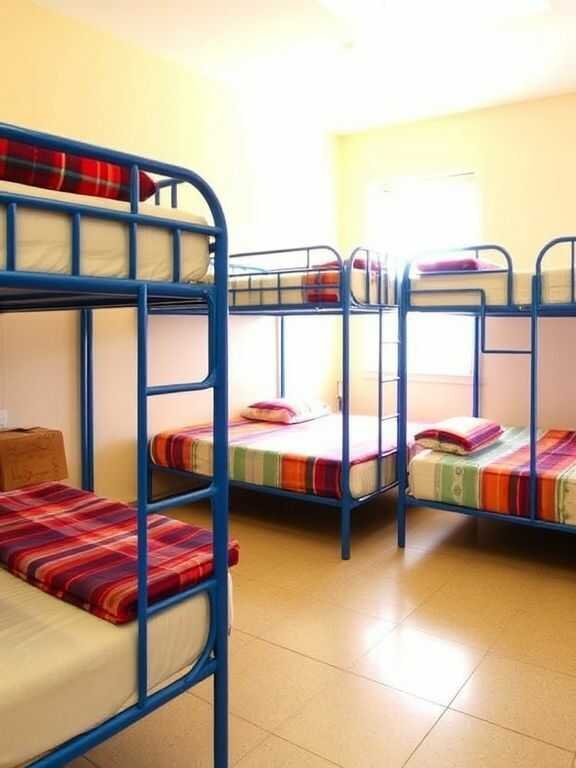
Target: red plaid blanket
point(62, 172)
point(83, 549)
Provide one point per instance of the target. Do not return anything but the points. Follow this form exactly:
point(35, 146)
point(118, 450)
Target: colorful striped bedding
point(82, 549)
point(497, 479)
point(303, 458)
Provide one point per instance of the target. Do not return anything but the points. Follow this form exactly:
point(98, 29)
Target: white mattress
point(264, 288)
point(64, 671)
point(555, 288)
point(44, 240)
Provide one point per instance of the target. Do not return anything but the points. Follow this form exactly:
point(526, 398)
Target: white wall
point(271, 172)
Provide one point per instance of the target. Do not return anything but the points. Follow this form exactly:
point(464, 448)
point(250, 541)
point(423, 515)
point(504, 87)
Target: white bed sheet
point(556, 288)
point(64, 671)
point(264, 288)
point(44, 241)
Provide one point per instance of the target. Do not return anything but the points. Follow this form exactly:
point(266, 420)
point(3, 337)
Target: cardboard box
point(30, 456)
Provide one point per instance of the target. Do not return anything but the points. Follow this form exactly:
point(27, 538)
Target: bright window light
point(407, 216)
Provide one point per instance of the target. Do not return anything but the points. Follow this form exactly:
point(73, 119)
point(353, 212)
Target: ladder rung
point(180, 597)
point(390, 380)
point(181, 499)
point(171, 389)
point(389, 418)
point(506, 351)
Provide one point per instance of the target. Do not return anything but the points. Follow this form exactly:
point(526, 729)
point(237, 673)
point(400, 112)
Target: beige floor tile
point(415, 662)
point(415, 567)
point(471, 616)
point(80, 762)
point(524, 698)
point(355, 722)
point(269, 684)
point(258, 605)
point(179, 735)
point(277, 753)
point(327, 632)
point(521, 588)
point(304, 569)
point(459, 741)
point(547, 639)
point(389, 598)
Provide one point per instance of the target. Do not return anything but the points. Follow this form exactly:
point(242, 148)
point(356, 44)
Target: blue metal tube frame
point(533, 311)
point(346, 505)
point(87, 398)
point(344, 308)
point(27, 291)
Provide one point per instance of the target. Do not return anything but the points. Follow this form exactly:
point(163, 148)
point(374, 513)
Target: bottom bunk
point(497, 479)
point(303, 458)
point(63, 668)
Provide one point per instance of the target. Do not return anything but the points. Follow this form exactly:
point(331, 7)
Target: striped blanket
point(83, 549)
point(497, 479)
point(304, 457)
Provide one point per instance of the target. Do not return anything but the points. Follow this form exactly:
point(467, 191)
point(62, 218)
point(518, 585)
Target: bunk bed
point(341, 460)
point(527, 475)
point(97, 596)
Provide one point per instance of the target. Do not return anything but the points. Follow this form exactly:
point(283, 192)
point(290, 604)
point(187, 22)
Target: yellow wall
point(523, 157)
point(68, 78)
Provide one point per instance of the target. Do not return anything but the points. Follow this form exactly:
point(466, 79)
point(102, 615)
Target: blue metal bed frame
point(480, 311)
point(347, 306)
point(27, 291)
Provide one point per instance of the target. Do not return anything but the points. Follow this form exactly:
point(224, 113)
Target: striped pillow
point(461, 435)
point(285, 411)
point(62, 172)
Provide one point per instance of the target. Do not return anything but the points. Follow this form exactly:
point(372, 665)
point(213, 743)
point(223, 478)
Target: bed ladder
point(215, 658)
point(384, 381)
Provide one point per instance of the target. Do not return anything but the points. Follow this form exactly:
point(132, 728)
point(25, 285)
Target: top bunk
point(481, 279)
point(82, 226)
point(309, 280)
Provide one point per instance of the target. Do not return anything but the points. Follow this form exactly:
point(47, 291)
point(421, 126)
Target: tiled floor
point(459, 652)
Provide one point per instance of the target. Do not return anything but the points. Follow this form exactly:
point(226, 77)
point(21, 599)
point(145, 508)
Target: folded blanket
point(464, 264)
point(83, 549)
point(461, 434)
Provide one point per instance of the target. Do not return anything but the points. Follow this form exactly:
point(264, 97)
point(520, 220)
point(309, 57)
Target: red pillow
point(51, 169)
point(464, 264)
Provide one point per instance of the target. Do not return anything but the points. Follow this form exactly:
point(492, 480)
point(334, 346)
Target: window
point(408, 216)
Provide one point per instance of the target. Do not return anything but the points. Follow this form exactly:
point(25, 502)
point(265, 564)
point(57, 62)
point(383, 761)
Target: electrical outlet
point(3, 419)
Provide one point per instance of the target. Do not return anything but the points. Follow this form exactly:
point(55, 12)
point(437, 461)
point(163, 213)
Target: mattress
point(556, 288)
point(497, 479)
point(302, 458)
point(64, 671)
point(44, 241)
point(307, 287)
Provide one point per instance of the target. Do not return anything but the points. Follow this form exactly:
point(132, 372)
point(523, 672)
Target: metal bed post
point(380, 405)
point(142, 508)
point(401, 445)
point(282, 355)
point(476, 370)
point(534, 396)
point(221, 491)
point(87, 398)
point(346, 504)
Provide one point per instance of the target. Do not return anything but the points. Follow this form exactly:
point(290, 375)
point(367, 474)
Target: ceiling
point(359, 63)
